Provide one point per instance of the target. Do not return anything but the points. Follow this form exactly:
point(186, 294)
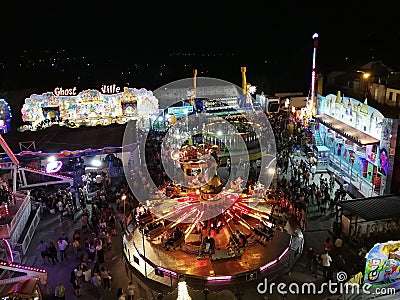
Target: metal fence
point(31, 231)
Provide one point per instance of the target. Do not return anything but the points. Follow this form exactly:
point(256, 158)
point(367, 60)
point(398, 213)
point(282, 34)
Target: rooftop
point(374, 208)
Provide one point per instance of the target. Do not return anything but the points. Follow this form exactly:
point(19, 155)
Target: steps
point(318, 140)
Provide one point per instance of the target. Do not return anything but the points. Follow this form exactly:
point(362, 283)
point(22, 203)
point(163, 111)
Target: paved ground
point(50, 229)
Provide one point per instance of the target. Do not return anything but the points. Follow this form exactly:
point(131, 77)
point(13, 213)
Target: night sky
point(153, 43)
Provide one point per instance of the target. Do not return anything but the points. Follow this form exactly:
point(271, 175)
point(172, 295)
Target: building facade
point(362, 143)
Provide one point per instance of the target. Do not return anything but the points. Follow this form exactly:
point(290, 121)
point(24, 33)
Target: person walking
point(59, 291)
point(77, 248)
point(75, 284)
point(121, 294)
point(316, 261)
point(313, 170)
point(62, 247)
point(43, 251)
point(99, 250)
point(53, 253)
point(130, 291)
point(96, 283)
point(326, 261)
point(310, 256)
point(106, 278)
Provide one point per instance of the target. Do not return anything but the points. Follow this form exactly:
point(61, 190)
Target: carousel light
point(183, 293)
point(219, 132)
point(175, 155)
point(271, 171)
point(197, 192)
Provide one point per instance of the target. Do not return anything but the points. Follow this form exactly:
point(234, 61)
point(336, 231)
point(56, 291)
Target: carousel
point(207, 227)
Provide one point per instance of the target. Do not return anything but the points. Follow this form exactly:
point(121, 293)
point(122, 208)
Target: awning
point(23, 288)
point(347, 131)
point(374, 208)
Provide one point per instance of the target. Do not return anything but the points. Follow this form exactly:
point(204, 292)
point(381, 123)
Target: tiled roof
point(374, 208)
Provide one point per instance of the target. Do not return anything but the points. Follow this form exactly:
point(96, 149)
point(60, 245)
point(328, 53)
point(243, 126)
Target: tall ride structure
point(193, 94)
point(312, 99)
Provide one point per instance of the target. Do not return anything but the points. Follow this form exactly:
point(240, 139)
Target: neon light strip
point(283, 253)
point(268, 265)
point(218, 278)
point(11, 265)
point(167, 271)
point(9, 249)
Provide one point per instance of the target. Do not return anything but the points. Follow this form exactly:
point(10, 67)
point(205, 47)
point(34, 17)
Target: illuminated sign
point(58, 91)
point(67, 107)
point(180, 111)
point(110, 89)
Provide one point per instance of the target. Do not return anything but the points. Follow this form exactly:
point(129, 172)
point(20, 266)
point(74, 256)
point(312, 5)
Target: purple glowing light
point(218, 278)
point(9, 249)
point(268, 265)
point(283, 253)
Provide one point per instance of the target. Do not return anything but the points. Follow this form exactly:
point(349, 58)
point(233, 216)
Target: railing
point(8, 230)
point(20, 211)
point(31, 231)
point(347, 174)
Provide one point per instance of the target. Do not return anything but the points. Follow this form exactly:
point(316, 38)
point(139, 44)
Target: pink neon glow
point(22, 267)
point(218, 278)
point(313, 76)
point(8, 151)
point(9, 249)
point(166, 271)
point(268, 265)
point(283, 253)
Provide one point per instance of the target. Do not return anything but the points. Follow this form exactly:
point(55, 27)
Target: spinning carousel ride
point(205, 228)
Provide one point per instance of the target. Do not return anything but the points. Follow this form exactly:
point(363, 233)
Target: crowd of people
point(86, 247)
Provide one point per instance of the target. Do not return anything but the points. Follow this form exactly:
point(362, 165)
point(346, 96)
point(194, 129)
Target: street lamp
point(366, 77)
point(123, 197)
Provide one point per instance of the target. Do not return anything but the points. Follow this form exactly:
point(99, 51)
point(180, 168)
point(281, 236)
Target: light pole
point(123, 197)
point(366, 77)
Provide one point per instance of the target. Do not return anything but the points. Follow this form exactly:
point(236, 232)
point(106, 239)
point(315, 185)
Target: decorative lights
point(183, 293)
